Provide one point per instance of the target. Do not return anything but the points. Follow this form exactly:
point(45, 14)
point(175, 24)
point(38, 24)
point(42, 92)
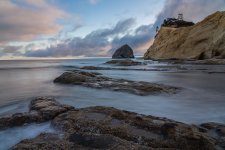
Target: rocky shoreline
point(110, 128)
point(180, 65)
point(212, 61)
point(40, 110)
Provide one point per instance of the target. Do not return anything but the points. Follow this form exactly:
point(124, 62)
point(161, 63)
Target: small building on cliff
point(177, 22)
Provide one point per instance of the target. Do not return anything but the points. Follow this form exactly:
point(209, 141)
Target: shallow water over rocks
point(201, 100)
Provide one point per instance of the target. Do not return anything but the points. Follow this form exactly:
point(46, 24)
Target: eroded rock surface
point(45, 141)
point(124, 62)
point(41, 109)
point(148, 131)
point(217, 132)
point(78, 141)
point(95, 80)
point(110, 128)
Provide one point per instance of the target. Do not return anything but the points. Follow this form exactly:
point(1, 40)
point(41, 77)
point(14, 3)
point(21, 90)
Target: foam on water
point(202, 98)
point(12, 108)
point(11, 137)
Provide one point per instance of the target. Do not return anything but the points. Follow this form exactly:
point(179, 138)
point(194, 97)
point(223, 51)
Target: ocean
point(202, 98)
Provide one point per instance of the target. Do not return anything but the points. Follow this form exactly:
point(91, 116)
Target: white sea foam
point(12, 136)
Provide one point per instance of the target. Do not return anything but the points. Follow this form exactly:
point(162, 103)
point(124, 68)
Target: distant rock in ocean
point(123, 52)
point(204, 40)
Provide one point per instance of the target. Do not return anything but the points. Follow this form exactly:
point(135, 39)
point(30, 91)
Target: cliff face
point(204, 40)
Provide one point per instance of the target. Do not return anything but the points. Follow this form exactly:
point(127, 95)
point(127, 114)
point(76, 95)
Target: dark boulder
point(123, 52)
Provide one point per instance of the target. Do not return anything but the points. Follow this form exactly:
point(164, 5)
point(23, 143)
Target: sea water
point(202, 98)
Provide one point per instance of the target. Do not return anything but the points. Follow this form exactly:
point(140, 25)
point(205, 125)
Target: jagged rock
point(94, 80)
point(124, 62)
point(204, 40)
point(123, 52)
point(41, 109)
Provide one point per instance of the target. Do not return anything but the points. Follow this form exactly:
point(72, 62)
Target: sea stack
point(204, 40)
point(123, 52)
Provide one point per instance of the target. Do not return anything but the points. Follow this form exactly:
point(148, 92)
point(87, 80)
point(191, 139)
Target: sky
point(88, 28)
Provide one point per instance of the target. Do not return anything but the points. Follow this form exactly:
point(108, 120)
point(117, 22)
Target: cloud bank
point(24, 20)
point(101, 42)
point(98, 42)
point(193, 10)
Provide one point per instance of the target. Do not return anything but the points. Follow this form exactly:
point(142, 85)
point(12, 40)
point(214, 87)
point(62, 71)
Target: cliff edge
point(204, 40)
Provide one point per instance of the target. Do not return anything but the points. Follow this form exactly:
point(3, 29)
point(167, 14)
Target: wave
point(15, 68)
point(38, 67)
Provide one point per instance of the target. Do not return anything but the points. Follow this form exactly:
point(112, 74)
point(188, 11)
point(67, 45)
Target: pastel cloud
point(23, 20)
point(96, 43)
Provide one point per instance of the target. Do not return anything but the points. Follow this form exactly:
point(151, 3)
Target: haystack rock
point(123, 52)
point(204, 40)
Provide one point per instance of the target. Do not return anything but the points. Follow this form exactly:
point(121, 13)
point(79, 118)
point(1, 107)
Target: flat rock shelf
point(98, 81)
point(110, 128)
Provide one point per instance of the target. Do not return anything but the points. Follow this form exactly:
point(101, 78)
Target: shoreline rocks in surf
point(97, 81)
point(109, 128)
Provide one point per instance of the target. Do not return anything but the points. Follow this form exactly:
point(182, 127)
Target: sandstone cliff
point(204, 40)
